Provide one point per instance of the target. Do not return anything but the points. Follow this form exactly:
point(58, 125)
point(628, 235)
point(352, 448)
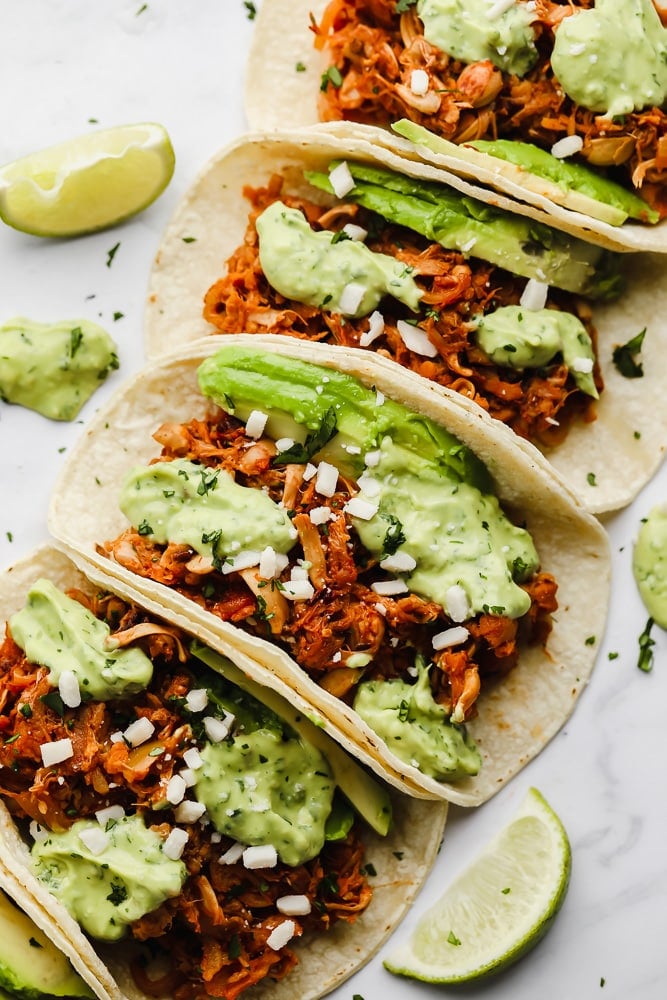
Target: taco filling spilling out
point(360, 537)
point(488, 304)
point(168, 810)
point(585, 79)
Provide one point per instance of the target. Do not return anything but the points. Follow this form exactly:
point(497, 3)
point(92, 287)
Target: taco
point(149, 830)
point(467, 303)
point(344, 529)
point(558, 103)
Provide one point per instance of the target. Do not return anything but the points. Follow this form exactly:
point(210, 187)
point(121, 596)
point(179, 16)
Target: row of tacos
point(334, 504)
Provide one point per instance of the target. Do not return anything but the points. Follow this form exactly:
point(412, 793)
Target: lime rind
point(499, 908)
point(89, 183)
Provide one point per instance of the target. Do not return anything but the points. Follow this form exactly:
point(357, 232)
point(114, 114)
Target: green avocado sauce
point(57, 632)
point(317, 267)
point(649, 564)
point(53, 368)
point(191, 505)
point(261, 788)
point(464, 30)
point(613, 57)
point(105, 892)
point(416, 728)
point(457, 535)
point(530, 338)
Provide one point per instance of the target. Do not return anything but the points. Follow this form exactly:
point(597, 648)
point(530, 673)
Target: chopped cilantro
point(189, 239)
point(646, 643)
point(624, 356)
point(403, 710)
point(34, 943)
point(452, 939)
point(53, 700)
point(118, 893)
point(251, 10)
point(612, 656)
point(75, 340)
point(506, 891)
point(591, 479)
point(300, 67)
point(26, 710)
point(9, 535)
point(144, 528)
point(590, 640)
point(111, 254)
point(117, 315)
point(394, 537)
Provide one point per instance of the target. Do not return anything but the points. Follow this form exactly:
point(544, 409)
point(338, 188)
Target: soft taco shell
point(402, 859)
point(293, 105)
point(516, 717)
point(618, 452)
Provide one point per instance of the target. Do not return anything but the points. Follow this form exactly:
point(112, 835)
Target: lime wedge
point(498, 908)
point(88, 183)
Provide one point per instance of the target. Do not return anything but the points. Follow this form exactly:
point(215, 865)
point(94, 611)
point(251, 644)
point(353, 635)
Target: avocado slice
point(458, 222)
point(369, 798)
point(304, 397)
point(566, 183)
point(30, 964)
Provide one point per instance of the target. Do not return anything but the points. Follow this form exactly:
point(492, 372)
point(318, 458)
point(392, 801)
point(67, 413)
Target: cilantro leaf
point(623, 356)
point(646, 643)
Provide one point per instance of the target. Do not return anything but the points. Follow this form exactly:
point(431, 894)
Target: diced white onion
point(174, 844)
point(388, 588)
point(176, 789)
point(456, 603)
point(379, 397)
point(419, 82)
point(567, 146)
point(350, 298)
point(369, 485)
point(372, 458)
point(327, 479)
point(189, 811)
point(450, 637)
point(139, 731)
point(356, 233)
point(363, 509)
point(299, 572)
point(217, 730)
point(375, 329)
point(256, 423)
point(309, 471)
point(111, 812)
point(416, 339)
point(68, 686)
point(468, 245)
point(116, 737)
point(56, 752)
point(192, 758)
point(534, 295)
point(583, 365)
point(188, 776)
point(341, 180)
point(298, 590)
point(197, 699)
point(261, 856)
point(242, 560)
point(232, 854)
point(399, 562)
point(95, 839)
point(281, 935)
point(320, 515)
point(294, 906)
point(283, 444)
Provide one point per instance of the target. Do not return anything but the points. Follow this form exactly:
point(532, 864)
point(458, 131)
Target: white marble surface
point(65, 62)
